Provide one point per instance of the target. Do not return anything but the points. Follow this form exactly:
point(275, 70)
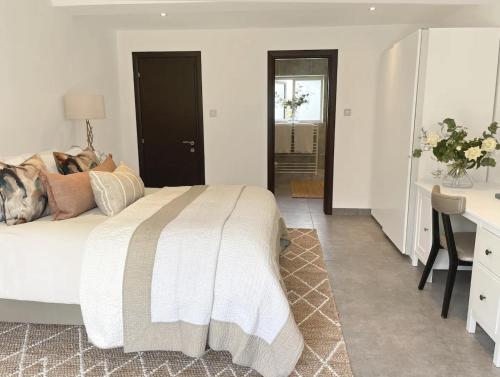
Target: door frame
point(136, 56)
point(332, 56)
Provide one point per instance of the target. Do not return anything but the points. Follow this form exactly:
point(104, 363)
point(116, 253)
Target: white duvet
point(216, 262)
point(106, 252)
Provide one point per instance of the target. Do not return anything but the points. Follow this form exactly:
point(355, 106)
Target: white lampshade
point(84, 106)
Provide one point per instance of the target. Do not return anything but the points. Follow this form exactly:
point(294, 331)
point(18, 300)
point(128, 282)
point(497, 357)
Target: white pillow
point(74, 150)
point(48, 159)
point(17, 160)
point(113, 192)
point(46, 156)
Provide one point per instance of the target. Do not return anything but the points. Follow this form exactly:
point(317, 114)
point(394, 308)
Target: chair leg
point(428, 266)
point(450, 281)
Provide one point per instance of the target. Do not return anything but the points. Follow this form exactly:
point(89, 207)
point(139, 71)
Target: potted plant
point(292, 105)
point(452, 147)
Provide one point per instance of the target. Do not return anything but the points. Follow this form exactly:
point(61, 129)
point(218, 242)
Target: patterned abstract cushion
point(68, 164)
point(23, 195)
point(113, 192)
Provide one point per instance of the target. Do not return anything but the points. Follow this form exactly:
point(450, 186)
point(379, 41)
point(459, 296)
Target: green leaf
point(493, 128)
point(450, 123)
point(488, 161)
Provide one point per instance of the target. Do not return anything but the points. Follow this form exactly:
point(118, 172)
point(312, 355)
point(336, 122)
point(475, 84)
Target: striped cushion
point(113, 192)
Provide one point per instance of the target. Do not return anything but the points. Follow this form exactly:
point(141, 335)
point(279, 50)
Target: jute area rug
point(307, 189)
point(55, 351)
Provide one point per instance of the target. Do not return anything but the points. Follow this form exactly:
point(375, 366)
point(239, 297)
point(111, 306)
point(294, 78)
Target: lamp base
point(90, 136)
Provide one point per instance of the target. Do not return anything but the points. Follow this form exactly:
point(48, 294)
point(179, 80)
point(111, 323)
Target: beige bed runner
point(140, 334)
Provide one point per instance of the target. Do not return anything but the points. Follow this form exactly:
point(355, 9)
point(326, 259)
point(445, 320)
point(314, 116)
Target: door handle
point(190, 142)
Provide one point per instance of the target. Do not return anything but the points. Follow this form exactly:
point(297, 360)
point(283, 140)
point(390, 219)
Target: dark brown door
point(169, 118)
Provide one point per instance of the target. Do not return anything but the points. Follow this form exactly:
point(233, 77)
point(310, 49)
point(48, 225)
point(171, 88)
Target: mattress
point(41, 260)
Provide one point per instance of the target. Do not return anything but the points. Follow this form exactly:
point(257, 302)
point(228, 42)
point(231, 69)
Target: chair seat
point(464, 242)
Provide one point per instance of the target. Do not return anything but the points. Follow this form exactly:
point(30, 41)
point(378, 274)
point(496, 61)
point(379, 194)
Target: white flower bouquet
point(452, 147)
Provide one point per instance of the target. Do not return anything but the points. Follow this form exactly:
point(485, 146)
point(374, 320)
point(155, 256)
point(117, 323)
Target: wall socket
point(347, 112)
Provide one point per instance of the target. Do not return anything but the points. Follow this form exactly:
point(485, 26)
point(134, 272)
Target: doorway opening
point(301, 124)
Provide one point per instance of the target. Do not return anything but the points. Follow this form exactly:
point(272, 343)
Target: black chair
point(460, 245)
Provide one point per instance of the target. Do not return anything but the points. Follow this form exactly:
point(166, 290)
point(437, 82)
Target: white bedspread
point(215, 272)
point(41, 260)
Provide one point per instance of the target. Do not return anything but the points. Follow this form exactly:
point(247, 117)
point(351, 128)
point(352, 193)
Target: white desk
point(484, 210)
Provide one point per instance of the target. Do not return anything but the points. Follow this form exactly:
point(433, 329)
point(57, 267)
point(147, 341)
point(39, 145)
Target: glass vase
point(457, 177)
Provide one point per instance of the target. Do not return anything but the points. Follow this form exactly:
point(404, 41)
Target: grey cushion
point(464, 242)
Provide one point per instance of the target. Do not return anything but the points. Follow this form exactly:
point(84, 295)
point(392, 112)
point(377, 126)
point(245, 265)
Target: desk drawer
point(487, 250)
point(484, 298)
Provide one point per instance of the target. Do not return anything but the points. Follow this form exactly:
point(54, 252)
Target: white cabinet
point(395, 117)
point(484, 296)
point(426, 77)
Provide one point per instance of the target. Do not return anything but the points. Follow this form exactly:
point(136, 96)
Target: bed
point(180, 269)
point(41, 261)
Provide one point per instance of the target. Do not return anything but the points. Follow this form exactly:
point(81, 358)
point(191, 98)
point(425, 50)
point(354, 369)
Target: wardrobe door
point(396, 99)
point(494, 173)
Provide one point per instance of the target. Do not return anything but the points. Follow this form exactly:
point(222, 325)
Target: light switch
point(347, 112)
point(212, 113)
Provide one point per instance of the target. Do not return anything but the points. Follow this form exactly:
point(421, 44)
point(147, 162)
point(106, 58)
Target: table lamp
point(85, 107)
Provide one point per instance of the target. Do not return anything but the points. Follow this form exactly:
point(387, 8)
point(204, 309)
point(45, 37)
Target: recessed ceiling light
point(163, 14)
point(373, 9)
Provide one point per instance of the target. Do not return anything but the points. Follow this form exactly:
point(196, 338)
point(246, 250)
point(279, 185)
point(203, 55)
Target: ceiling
point(195, 14)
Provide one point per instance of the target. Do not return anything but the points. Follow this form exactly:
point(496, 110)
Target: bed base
point(40, 312)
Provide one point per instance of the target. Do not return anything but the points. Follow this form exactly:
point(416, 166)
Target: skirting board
point(40, 312)
point(351, 211)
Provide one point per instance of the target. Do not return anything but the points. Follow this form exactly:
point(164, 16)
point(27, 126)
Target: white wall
point(45, 54)
point(459, 82)
point(480, 15)
point(234, 70)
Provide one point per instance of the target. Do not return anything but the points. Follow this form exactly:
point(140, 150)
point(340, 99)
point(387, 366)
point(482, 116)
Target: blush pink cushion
point(107, 165)
point(70, 195)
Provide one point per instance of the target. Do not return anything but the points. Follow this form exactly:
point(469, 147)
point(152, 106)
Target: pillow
point(70, 195)
point(74, 150)
point(46, 156)
point(17, 160)
point(48, 159)
point(12, 160)
point(113, 192)
point(107, 165)
point(23, 195)
point(68, 164)
point(102, 156)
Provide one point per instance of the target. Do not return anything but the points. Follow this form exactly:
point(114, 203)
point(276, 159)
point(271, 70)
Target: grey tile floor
point(391, 328)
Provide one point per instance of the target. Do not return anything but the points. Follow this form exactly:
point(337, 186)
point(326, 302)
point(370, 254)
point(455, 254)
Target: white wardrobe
point(428, 76)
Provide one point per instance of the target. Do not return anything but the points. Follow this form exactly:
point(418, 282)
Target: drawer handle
point(488, 252)
point(482, 298)
point(426, 229)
